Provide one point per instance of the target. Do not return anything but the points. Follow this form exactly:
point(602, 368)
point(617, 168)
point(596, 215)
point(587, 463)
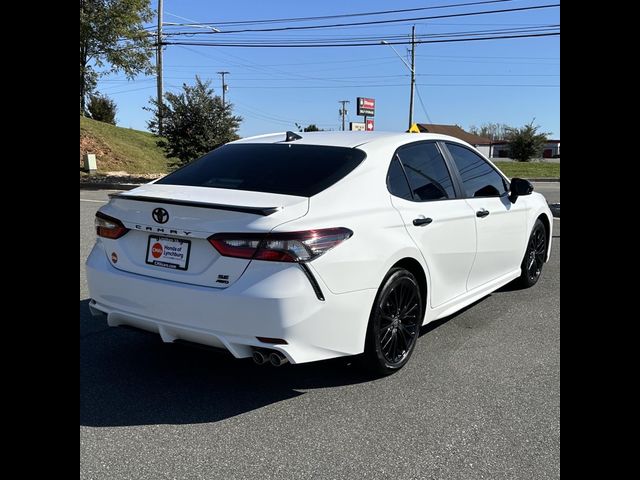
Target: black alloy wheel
point(535, 256)
point(394, 325)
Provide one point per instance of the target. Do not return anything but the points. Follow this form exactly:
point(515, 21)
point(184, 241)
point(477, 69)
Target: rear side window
point(427, 172)
point(289, 169)
point(397, 181)
point(479, 178)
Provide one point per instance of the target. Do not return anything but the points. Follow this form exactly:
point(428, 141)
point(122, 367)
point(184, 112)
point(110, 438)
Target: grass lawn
point(121, 149)
point(529, 169)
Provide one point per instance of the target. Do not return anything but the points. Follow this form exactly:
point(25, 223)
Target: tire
point(533, 261)
point(394, 324)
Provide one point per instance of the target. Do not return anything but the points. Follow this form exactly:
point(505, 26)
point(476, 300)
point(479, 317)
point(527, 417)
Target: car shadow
point(431, 326)
point(130, 377)
point(512, 286)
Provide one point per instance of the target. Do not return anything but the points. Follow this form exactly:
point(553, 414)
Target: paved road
point(479, 399)
point(550, 190)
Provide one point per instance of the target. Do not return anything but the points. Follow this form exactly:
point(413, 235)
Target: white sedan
point(297, 248)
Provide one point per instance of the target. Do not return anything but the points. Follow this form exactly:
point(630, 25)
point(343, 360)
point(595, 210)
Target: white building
point(550, 150)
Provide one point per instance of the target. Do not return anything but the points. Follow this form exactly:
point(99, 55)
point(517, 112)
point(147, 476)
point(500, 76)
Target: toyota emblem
point(160, 215)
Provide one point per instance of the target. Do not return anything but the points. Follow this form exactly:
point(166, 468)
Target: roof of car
point(344, 139)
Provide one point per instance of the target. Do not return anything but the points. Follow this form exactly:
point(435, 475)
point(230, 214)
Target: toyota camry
point(302, 247)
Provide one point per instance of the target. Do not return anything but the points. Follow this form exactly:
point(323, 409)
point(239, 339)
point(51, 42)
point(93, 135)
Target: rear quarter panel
point(361, 203)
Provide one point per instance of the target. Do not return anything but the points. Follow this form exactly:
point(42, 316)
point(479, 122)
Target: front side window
point(479, 178)
point(427, 172)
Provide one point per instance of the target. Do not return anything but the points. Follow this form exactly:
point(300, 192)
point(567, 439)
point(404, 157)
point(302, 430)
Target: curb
point(108, 186)
point(131, 186)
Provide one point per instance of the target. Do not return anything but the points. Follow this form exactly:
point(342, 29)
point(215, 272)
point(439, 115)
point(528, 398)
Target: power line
point(372, 59)
point(422, 103)
point(346, 15)
point(261, 115)
point(368, 44)
point(254, 67)
point(374, 22)
point(355, 77)
point(399, 85)
point(375, 38)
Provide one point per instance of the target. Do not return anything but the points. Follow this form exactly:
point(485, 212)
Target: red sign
point(369, 124)
point(156, 250)
point(366, 106)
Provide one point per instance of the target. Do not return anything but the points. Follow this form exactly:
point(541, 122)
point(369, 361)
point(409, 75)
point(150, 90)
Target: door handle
point(482, 213)
point(419, 222)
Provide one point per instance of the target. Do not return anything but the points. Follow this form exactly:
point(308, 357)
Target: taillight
point(109, 227)
point(279, 247)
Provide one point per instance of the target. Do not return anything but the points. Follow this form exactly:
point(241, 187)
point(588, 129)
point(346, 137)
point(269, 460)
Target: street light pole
point(413, 72)
point(224, 87)
point(343, 110)
point(159, 68)
point(412, 68)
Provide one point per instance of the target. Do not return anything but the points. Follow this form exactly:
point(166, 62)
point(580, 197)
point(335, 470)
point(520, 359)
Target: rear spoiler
point(265, 211)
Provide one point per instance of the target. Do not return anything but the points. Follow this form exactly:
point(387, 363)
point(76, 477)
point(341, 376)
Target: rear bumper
point(270, 299)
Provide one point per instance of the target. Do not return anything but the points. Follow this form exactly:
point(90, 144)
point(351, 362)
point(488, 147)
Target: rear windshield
point(288, 169)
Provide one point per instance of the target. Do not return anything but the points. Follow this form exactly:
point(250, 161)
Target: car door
point(500, 224)
point(439, 221)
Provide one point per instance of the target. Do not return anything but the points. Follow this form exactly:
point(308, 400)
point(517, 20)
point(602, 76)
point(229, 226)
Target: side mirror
point(519, 186)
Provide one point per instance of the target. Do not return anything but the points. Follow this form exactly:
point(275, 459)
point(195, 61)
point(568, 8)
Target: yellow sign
point(414, 129)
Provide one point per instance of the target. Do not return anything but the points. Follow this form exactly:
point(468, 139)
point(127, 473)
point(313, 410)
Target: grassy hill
point(529, 169)
point(135, 152)
point(120, 149)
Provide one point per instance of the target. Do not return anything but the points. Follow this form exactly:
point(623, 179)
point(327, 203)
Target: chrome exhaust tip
point(260, 357)
point(277, 359)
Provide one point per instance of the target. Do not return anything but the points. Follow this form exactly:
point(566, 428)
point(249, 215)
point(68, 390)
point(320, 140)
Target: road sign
point(366, 106)
point(356, 126)
point(369, 124)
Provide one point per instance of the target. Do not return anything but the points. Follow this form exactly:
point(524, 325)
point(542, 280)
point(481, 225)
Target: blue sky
point(466, 83)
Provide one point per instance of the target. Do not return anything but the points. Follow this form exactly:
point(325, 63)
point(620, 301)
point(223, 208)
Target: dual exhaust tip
point(276, 359)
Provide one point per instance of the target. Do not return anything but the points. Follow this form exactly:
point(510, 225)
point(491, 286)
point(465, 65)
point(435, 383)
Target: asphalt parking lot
point(550, 190)
point(480, 399)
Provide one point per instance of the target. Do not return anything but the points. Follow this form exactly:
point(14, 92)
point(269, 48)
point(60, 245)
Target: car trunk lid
point(169, 226)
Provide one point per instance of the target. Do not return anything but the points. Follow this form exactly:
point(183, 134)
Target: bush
point(526, 143)
point(102, 109)
point(194, 122)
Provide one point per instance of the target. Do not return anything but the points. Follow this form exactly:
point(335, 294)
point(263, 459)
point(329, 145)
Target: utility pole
point(343, 110)
point(159, 66)
point(224, 87)
point(413, 72)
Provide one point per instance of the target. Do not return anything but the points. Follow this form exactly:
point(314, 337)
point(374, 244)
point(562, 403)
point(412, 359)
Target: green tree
point(102, 108)
point(492, 131)
point(111, 32)
point(194, 122)
point(311, 128)
point(526, 143)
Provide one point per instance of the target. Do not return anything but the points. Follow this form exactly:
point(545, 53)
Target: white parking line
point(94, 201)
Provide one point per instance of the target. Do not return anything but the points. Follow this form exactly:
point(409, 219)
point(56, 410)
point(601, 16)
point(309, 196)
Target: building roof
point(454, 131)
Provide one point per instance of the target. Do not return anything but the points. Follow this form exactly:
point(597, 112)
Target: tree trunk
point(83, 61)
point(82, 89)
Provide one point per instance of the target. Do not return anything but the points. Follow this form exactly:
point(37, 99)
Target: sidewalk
point(115, 182)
